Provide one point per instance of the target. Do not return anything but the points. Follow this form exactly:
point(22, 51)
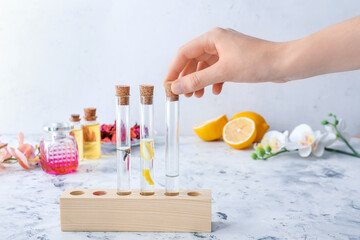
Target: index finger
point(199, 48)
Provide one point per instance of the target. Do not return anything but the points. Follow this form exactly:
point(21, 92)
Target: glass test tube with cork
point(146, 140)
point(172, 142)
point(123, 141)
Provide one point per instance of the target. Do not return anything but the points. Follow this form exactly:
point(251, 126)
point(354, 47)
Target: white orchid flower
point(306, 141)
point(303, 139)
point(275, 139)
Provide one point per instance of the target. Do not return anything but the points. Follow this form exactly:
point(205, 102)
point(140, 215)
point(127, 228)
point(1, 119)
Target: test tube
point(146, 140)
point(123, 141)
point(172, 142)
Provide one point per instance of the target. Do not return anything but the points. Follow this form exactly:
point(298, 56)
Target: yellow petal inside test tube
point(146, 174)
point(146, 150)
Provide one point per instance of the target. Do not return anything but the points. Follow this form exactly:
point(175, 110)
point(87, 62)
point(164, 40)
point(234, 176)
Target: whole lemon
point(260, 124)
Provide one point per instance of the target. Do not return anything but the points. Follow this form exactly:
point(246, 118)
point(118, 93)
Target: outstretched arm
point(224, 55)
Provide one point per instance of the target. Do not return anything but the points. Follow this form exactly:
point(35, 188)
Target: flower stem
point(342, 152)
point(10, 160)
point(274, 154)
point(356, 154)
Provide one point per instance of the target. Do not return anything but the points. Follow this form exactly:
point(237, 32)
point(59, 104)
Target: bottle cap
point(169, 93)
point(146, 93)
point(90, 114)
point(58, 127)
point(123, 92)
point(75, 118)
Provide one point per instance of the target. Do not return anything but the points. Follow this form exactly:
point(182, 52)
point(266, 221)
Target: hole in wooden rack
point(77, 193)
point(99, 193)
point(147, 193)
point(171, 194)
point(193, 194)
point(123, 193)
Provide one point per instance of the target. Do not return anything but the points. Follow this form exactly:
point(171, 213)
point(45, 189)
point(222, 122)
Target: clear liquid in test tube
point(146, 140)
point(172, 142)
point(123, 141)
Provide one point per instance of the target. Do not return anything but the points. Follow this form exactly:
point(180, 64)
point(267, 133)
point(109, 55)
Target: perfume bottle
point(91, 132)
point(146, 140)
point(172, 142)
point(58, 150)
point(123, 140)
point(77, 133)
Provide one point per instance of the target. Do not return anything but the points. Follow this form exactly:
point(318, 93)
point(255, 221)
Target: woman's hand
point(223, 55)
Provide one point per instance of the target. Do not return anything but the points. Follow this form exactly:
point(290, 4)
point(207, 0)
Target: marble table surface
point(286, 197)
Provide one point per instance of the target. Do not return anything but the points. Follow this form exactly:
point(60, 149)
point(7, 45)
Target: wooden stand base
point(104, 210)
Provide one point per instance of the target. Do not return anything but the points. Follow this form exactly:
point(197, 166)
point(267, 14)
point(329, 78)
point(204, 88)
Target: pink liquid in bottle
point(59, 153)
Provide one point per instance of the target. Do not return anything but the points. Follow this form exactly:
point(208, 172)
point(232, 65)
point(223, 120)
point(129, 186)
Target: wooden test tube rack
point(104, 210)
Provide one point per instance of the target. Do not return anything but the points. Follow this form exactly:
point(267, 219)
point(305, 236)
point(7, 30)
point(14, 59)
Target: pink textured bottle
point(58, 149)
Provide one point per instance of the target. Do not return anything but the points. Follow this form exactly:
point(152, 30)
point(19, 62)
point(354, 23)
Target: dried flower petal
point(21, 138)
point(27, 150)
point(4, 154)
point(34, 160)
point(21, 158)
point(108, 132)
point(11, 150)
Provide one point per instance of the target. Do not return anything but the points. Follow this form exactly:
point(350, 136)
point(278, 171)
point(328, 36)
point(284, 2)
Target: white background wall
point(57, 57)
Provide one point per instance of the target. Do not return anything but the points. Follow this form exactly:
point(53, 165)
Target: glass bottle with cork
point(91, 132)
point(146, 140)
point(77, 133)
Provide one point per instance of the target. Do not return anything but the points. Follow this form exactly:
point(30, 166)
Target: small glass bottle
point(77, 133)
point(172, 142)
point(146, 140)
point(91, 132)
point(58, 150)
point(123, 140)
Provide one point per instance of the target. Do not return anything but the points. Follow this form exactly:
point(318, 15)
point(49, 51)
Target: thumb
point(196, 80)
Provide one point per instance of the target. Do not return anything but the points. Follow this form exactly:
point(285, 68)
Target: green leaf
point(254, 156)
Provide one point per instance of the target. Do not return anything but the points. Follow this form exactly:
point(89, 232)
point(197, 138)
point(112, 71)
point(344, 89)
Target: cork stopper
point(75, 118)
point(169, 93)
point(90, 114)
point(123, 92)
point(146, 93)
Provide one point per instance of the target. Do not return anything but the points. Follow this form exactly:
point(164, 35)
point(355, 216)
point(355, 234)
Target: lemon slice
point(146, 174)
point(239, 133)
point(147, 150)
point(260, 123)
point(211, 130)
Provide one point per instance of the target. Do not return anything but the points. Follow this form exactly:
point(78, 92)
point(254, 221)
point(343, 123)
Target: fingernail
point(177, 87)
